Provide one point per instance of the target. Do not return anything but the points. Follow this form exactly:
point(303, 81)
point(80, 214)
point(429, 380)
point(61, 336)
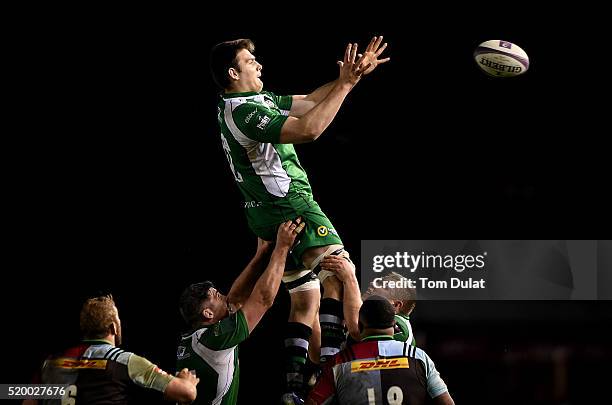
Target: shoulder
point(235, 324)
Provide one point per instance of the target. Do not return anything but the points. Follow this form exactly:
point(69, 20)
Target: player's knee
point(334, 250)
point(299, 281)
point(313, 256)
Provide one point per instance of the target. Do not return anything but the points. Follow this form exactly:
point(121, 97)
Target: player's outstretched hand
point(372, 53)
point(287, 232)
point(338, 265)
point(351, 70)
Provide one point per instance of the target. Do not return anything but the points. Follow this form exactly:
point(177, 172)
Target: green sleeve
point(259, 123)
point(146, 374)
point(226, 333)
point(283, 102)
point(405, 331)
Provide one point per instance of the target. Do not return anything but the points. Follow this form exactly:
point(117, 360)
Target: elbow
point(312, 132)
point(267, 301)
point(314, 135)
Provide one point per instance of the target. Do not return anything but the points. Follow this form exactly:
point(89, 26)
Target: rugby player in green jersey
point(219, 323)
point(403, 299)
point(258, 130)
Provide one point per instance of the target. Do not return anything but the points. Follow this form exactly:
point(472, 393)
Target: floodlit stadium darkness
point(122, 186)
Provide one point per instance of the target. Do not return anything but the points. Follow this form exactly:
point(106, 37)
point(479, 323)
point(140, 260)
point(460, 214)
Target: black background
point(116, 181)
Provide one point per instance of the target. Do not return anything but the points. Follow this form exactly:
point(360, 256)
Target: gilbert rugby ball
point(501, 58)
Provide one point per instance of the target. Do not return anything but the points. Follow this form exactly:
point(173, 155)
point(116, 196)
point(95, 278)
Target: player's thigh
point(318, 234)
point(333, 288)
point(305, 302)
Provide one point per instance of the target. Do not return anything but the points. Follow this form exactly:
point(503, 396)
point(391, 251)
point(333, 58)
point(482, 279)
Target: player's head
point(400, 296)
point(234, 68)
point(202, 304)
point(376, 316)
point(100, 319)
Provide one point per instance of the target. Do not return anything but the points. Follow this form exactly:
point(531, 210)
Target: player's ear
point(113, 329)
point(208, 314)
point(233, 73)
point(397, 304)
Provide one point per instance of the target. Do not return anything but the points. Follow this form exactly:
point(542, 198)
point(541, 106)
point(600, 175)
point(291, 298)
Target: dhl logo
point(371, 365)
point(86, 364)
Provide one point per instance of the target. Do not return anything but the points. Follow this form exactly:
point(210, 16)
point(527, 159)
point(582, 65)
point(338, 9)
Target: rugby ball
point(501, 58)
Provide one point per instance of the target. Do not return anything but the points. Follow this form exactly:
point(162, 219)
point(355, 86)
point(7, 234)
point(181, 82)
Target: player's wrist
point(344, 85)
point(281, 249)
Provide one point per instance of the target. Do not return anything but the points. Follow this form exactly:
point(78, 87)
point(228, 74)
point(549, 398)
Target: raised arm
point(243, 285)
point(301, 104)
point(266, 288)
point(312, 124)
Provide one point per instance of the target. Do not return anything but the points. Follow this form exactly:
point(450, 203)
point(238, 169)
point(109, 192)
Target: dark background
point(116, 180)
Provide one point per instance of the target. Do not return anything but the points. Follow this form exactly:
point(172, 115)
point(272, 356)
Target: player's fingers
point(382, 48)
point(384, 60)
point(378, 42)
point(371, 44)
point(330, 260)
point(358, 62)
point(347, 53)
point(354, 52)
point(328, 265)
point(299, 228)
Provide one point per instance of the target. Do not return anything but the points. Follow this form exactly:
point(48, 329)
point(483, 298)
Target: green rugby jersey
point(212, 352)
point(267, 172)
point(403, 330)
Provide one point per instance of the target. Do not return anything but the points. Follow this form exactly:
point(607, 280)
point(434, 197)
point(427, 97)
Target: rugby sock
point(296, 352)
point(331, 316)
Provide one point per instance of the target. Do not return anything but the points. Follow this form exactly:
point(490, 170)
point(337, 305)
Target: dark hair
point(223, 57)
point(97, 315)
point(377, 313)
point(192, 299)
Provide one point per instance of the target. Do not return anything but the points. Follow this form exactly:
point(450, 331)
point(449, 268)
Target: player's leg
point(314, 348)
point(318, 240)
point(331, 314)
point(304, 291)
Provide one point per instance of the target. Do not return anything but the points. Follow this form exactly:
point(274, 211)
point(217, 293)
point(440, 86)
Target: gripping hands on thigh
point(345, 271)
